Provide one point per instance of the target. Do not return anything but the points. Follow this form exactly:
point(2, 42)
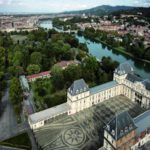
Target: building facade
point(120, 133)
point(126, 133)
point(80, 96)
point(125, 82)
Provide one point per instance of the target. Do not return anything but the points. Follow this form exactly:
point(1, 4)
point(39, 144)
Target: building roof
point(120, 125)
point(142, 122)
point(124, 68)
point(24, 83)
point(133, 78)
point(78, 86)
point(49, 113)
point(64, 64)
point(38, 75)
point(103, 87)
point(147, 84)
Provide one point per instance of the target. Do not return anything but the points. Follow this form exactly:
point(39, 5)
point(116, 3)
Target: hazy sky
point(62, 5)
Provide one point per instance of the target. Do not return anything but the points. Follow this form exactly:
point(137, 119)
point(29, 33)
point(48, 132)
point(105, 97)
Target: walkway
point(8, 122)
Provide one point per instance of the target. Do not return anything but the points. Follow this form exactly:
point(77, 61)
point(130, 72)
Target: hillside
point(101, 10)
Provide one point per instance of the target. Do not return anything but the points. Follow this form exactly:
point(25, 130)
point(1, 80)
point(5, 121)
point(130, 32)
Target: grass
point(19, 38)
point(20, 141)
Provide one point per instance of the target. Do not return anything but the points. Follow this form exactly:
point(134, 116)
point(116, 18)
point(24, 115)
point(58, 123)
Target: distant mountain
point(102, 10)
point(145, 11)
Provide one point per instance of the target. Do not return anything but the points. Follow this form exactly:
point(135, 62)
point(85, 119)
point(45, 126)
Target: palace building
point(121, 132)
point(125, 133)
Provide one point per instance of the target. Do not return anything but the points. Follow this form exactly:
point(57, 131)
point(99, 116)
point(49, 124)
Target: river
point(99, 50)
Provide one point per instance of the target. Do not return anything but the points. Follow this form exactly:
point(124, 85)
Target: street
point(8, 121)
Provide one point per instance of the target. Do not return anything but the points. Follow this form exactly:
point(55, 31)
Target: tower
point(120, 132)
point(78, 96)
point(122, 71)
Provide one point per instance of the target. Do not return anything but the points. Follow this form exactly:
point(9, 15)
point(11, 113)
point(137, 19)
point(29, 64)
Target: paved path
point(8, 122)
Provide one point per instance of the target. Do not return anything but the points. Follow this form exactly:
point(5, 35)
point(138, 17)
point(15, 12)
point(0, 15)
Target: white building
point(80, 96)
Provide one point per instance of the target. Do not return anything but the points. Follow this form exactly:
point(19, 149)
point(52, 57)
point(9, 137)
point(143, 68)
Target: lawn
point(17, 38)
point(45, 96)
point(21, 141)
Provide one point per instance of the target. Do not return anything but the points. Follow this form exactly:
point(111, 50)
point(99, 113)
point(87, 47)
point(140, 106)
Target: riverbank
point(97, 50)
point(122, 51)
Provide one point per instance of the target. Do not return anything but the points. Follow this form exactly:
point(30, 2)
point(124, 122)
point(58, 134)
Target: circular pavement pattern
point(74, 137)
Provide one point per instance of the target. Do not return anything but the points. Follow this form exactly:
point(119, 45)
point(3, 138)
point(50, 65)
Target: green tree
point(71, 73)
point(16, 70)
point(2, 58)
point(36, 58)
point(18, 58)
point(33, 69)
point(16, 94)
point(57, 77)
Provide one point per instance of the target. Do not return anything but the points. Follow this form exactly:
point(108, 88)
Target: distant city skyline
point(52, 6)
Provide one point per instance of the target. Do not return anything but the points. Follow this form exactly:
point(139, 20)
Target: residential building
point(40, 75)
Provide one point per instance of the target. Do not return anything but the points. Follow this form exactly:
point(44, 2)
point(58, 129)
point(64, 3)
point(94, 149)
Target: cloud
point(5, 2)
point(144, 3)
point(63, 5)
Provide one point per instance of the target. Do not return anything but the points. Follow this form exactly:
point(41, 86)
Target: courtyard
point(83, 130)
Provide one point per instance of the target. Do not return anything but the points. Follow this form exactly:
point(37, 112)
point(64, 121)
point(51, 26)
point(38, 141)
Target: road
point(8, 121)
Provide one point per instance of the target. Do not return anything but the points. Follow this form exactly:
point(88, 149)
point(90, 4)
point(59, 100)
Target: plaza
point(83, 130)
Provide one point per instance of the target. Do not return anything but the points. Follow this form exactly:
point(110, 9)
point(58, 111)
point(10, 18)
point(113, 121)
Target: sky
point(52, 6)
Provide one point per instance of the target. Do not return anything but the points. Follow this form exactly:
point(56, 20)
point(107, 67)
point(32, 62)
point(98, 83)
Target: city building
point(80, 97)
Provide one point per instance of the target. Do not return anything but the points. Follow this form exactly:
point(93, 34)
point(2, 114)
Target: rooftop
point(133, 78)
point(48, 113)
point(38, 75)
point(64, 64)
point(103, 87)
point(142, 122)
point(120, 125)
point(24, 82)
point(77, 87)
point(124, 68)
point(147, 84)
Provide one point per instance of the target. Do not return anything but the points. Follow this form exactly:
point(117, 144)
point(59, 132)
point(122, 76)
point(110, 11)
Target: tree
point(36, 58)
point(57, 77)
point(2, 58)
point(108, 65)
point(16, 70)
point(71, 73)
point(90, 67)
point(33, 69)
point(16, 94)
point(18, 58)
